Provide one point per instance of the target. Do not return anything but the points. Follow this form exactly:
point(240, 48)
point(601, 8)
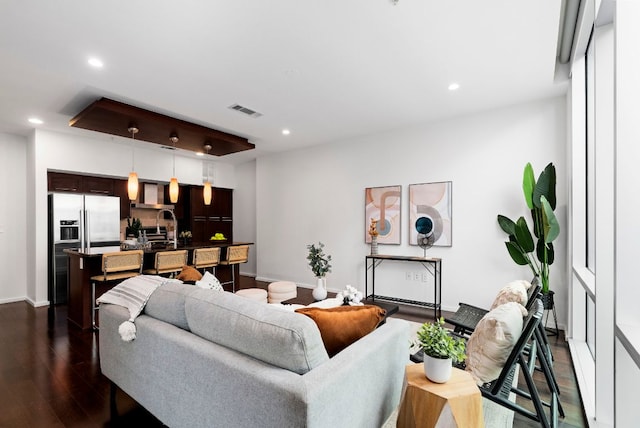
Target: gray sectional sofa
point(206, 358)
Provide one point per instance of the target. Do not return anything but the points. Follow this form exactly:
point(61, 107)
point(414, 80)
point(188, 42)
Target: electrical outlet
point(416, 276)
point(408, 276)
point(424, 276)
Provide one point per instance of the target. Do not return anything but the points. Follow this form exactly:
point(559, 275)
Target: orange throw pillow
point(189, 273)
point(341, 326)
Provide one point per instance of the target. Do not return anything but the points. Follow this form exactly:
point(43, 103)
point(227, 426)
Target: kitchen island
point(83, 264)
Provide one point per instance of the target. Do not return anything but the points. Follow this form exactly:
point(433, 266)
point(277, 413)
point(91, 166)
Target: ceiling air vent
point(245, 110)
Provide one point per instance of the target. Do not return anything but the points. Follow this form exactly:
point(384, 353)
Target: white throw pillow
point(515, 291)
point(492, 341)
point(209, 281)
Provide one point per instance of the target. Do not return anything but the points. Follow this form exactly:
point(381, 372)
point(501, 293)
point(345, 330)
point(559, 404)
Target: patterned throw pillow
point(492, 341)
point(209, 281)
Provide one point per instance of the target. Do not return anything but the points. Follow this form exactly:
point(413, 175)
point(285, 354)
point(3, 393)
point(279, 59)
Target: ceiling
point(327, 70)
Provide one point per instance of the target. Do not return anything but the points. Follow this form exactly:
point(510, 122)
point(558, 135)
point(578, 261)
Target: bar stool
point(236, 254)
point(204, 258)
point(168, 262)
point(116, 267)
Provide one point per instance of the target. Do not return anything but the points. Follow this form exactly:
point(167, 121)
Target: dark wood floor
point(50, 373)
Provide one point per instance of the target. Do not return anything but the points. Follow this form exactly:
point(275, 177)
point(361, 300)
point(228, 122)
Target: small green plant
point(133, 226)
point(318, 260)
point(436, 342)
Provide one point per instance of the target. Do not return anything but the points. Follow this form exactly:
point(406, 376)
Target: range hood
point(152, 198)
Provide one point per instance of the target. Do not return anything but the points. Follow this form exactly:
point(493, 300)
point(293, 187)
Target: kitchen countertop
point(99, 251)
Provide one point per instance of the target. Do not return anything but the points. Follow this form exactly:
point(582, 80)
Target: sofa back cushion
point(167, 304)
point(284, 339)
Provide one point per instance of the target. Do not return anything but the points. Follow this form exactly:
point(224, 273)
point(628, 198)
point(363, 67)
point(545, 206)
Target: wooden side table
point(457, 403)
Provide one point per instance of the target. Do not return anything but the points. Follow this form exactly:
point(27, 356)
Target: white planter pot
point(320, 292)
point(437, 370)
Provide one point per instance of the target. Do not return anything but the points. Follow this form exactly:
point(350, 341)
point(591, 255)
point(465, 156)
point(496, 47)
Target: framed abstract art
point(383, 205)
point(431, 202)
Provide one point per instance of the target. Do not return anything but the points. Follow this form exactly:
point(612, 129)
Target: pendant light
point(132, 183)
point(174, 189)
point(207, 192)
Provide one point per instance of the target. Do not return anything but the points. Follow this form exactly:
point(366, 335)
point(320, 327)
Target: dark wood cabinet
point(207, 220)
point(60, 182)
point(120, 189)
point(97, 185)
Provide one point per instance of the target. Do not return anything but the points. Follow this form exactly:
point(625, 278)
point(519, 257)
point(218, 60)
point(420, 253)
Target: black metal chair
point(499, 389)
point(467, 317)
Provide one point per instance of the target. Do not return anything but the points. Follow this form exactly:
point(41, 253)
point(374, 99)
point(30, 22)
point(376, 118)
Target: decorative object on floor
point(425, 404)
point(257, 294)
point(185, 235)
point(540, 197)
point(383, 204)
point(440, 349)
point(426, 238)
point(282, 290)
point(373, 232)
point(431, 201)
point(320, 265)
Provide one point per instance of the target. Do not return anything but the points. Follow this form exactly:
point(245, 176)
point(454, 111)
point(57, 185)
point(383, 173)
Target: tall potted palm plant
point(538, 254)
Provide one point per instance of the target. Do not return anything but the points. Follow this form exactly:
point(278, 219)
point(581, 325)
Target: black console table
point(433, 265)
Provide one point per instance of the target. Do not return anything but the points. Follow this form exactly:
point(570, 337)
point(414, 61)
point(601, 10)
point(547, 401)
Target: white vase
point(374, 245)
point(320, 292)
point(437, 370)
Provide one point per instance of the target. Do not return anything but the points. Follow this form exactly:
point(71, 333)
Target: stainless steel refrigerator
point(78, 221)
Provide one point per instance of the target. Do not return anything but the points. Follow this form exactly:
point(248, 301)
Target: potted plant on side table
point(320, 265)
point(440, 349)
point(540, 197)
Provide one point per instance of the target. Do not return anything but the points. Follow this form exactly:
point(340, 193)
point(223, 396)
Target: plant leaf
point(546, 186)
point(507, 225)
point(551, 225)
point(516, 253)
point(523, 236)
point(528, 184)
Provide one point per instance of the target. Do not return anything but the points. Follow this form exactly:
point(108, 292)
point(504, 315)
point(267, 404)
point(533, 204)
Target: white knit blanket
point(133, 294)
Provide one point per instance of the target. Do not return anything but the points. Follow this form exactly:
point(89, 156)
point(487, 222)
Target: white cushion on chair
point(282, 290)
point(257, 294)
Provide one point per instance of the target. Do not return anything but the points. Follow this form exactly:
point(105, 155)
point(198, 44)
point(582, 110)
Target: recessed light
point(199, 154)
point(454, 86)
point(35, 121)
point(95, 62)
point(286, 132)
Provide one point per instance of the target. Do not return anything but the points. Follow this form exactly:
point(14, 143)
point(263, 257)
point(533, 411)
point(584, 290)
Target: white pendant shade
point(132, 186)
point(173, 190)
point(207, 193)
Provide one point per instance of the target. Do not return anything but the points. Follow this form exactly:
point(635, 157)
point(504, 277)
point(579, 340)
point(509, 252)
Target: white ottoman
point(257, 294)
point(282, 290)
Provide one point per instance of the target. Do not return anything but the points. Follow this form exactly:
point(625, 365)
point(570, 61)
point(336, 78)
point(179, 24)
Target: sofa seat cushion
point(343, 325)
point(281, 338)
point(167, 304)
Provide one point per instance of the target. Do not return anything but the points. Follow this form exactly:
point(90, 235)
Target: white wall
point(99, 155)
point(317, 194)
point(13, 218)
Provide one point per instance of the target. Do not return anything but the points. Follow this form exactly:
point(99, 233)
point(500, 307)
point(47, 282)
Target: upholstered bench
point(257, 294)
point(282, 290)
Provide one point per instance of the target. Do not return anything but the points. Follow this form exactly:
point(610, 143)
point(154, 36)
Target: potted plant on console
point(440, 349)
point(540, 197)
point(320, 265)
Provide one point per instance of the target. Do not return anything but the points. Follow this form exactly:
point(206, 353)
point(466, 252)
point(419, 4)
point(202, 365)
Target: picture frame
point(384, 205)
point(433, 201)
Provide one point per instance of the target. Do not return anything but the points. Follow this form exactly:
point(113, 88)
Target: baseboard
point(13, 300)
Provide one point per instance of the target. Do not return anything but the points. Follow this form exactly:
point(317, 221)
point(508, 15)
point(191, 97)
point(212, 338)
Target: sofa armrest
point(360, 386)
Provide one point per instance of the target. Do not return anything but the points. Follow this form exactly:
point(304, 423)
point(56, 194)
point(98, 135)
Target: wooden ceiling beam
point(115, 118)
